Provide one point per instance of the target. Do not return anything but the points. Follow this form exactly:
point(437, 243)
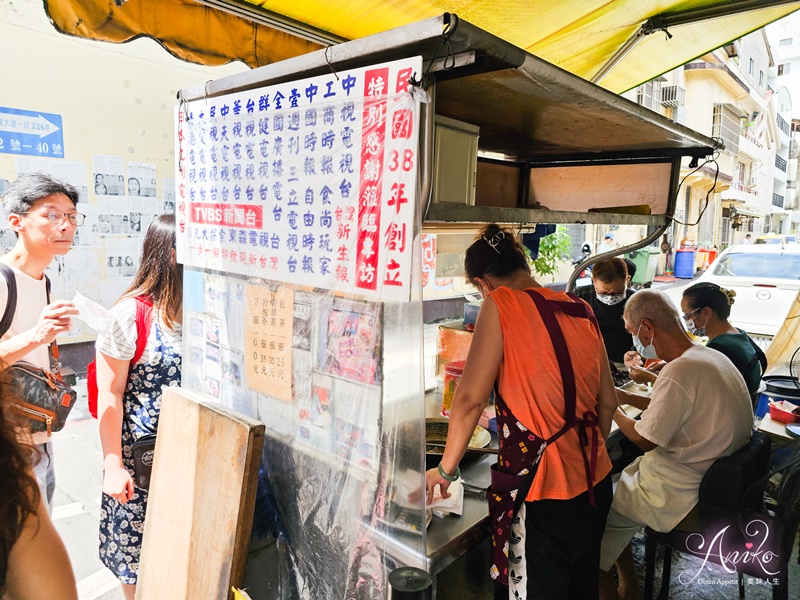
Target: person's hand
point(642, 376)
point(432, 479)
point(632, 359)
point(118, 483)
point(657, 366)
point(54, 320)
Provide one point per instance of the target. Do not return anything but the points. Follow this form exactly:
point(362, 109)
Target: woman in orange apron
point(551, 488)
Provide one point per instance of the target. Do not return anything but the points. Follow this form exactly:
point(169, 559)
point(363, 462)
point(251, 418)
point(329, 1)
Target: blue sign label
point(31, 133)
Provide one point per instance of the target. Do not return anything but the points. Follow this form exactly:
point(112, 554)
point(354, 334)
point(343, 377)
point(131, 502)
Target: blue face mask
point(646, 352)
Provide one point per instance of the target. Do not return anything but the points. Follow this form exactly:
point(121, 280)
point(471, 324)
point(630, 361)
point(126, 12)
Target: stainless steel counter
point(452, 536)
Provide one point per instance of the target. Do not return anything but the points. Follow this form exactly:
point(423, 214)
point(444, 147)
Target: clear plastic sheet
point(302, 307)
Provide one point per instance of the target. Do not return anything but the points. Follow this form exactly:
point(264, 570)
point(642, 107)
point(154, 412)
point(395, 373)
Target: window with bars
point(727, 125)
point(706, 230)
point(577, 236)
point(649, 94)
point(726, 233)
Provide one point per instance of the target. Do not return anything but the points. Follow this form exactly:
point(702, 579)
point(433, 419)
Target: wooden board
point(202, 495)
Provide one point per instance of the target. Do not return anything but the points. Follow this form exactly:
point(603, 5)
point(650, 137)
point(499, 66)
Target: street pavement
point(76, 511)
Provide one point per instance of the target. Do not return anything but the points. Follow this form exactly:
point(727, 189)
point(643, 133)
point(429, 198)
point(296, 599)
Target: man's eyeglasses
point(57, 217)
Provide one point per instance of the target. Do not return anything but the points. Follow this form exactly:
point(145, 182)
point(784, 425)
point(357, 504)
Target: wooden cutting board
point(202, 494)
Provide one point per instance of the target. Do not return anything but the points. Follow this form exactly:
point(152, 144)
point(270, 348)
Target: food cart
point(305, 190)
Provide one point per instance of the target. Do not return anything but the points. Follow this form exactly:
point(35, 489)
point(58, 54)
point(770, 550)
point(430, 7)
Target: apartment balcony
point(741, 193)
point(777, 201)
point(779, 173)
point(785, 131)
point(751, 147)
point(723, 74)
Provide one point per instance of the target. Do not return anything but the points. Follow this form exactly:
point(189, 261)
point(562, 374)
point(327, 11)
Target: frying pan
point(436, 433)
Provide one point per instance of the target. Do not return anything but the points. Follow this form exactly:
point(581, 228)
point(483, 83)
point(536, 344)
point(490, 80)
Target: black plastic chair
point(731, 507)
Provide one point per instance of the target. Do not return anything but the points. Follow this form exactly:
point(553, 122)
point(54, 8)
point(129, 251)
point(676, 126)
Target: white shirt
point(120, 341)
point(31, 300)
point(700, 410)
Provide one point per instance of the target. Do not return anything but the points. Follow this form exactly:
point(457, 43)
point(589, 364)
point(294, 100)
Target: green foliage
point(553, 253)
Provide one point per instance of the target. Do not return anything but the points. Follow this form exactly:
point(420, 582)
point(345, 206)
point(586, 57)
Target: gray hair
point(656, 307)
point(27, 189)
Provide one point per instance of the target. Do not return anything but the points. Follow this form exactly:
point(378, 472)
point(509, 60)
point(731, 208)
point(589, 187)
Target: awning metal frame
point(665, 21)
point(549, 117)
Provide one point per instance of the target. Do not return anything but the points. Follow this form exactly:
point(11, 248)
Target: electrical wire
point(447, 33)
point(713, 159)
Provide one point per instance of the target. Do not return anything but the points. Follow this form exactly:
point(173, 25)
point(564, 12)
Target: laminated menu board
point(311, 182)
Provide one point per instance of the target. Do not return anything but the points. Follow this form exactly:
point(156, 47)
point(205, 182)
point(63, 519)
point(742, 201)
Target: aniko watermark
point(746, 547)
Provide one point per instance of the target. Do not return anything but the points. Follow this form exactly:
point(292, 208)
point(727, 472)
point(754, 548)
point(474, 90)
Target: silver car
point(766, 279)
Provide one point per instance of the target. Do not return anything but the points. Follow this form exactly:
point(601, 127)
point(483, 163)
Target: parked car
point(776, 238)
point(766, 279)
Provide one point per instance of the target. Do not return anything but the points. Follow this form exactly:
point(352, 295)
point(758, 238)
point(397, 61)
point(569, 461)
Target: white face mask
point(610, 299)
point(694, 329)
point(646, 352)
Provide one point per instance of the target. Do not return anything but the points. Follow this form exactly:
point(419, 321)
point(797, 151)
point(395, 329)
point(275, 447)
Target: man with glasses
point(42, 213)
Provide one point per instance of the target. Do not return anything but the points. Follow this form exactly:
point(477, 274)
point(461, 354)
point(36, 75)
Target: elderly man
point(699, 410)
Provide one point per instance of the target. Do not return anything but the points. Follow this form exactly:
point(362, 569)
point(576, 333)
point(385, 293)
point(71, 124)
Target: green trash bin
point(646, 261)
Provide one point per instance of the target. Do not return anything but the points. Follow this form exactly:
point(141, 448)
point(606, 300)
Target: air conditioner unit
point(672, 95)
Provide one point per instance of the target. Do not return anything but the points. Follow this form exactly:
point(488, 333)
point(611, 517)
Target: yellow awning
point(578, 35)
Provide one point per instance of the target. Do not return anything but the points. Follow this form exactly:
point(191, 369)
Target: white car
point(766, 278)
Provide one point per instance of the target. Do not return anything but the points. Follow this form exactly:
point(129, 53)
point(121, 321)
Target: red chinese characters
point(373, 141)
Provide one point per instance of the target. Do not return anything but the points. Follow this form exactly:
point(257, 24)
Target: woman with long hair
point(29, 544)
point(543, 353)
point(129, 394)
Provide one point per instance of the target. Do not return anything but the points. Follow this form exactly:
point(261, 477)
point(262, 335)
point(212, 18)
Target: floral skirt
point(121, 531)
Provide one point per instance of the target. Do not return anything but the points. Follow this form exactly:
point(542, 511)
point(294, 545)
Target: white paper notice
point(108, 173)
point(141, 179)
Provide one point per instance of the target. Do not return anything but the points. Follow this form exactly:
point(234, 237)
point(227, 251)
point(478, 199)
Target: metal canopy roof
point(526, 108)
point(618, 43)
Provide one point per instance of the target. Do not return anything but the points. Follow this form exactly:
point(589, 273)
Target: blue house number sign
point(31, 133)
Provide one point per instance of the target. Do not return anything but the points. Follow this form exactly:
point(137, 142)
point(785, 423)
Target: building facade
point(734, 94)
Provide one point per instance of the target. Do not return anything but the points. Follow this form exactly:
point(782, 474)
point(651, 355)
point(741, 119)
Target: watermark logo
point(731, 548)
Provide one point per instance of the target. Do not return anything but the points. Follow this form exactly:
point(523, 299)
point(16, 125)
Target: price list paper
point(268, 340)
